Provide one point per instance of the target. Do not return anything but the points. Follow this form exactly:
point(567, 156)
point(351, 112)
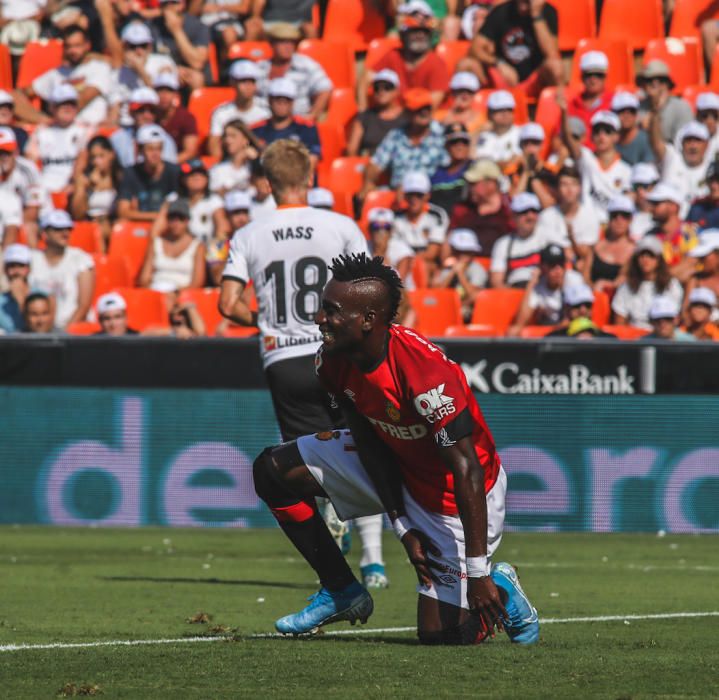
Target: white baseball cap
point(415, 7)
point(56, 218)
point(244, 70)
point(693, 130)
point(501, 99)
point(531, 131)
point(525, 201)
point(464, 80)
point(238, 200)
point(663, 307)
point(111, 301)
point(594, 62)
point(136, 33)
point(624, 100)
point(708, 243)
point(6, 98)
point(8, 142)
point(464, 240)
point(644, 174)
point(16, 253)
point(707, 100)
point(650, 244)
point(703, 295)
point(417, 182)
point(386, 75)
point(578, 294)
point(143, 96)
point(664, 192)
point(282, 87)
point(150, 133)
point(380, 215)
point(604, 116)
point(620, 203)
point(63, 92)
point(168, 80)
point(320, 197)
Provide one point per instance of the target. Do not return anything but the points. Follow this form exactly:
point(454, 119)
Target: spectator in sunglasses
point(594, 95)
point(633, 143)
point(707, 113)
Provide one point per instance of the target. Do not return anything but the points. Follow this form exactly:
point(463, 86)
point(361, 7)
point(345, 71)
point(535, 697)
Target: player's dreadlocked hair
point(357, 268)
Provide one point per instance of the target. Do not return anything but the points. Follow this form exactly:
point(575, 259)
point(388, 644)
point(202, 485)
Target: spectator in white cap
point(422, 226)
point(608, 258)
point(515, 256)
point(63, 271)
point(460, 270)
point(312, 86)
point(395, 251)
point(448, 184)
point(604, 173)
point(240, 150)
point(111, 311)
point(685, 165)
point(463, 86)
point(175, 118)
point(633, 143)
point(673, 112)
point(578, 303)
point(321, 198)
point(57, 145)
point(16, 266)
point(644, 177)
point(236, 211)
point(386, 112)
point(415, 61)
point(246, 106)
point(664, 318)
point(7, 118)
point(700, 313)
point(594, 96)
point(707, 113)
point(499, 140)
point(283, 124)
point(647, 276)
point(704, 212)
point(143, 107)
point(527, 172)
point(706, 254)
point(145, 185)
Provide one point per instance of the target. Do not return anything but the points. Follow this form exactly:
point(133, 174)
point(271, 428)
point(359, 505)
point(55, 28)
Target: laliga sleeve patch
point(455, 430)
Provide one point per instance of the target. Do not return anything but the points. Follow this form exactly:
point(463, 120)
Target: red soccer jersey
point(418, 401)
point(431, 73)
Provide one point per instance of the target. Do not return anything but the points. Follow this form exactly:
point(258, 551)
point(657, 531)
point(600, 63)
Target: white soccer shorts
point(332, 459)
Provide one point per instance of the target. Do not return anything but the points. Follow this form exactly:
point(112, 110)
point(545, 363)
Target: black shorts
point(301, 405)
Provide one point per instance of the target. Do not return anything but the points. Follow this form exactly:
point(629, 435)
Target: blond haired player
point(285, 253)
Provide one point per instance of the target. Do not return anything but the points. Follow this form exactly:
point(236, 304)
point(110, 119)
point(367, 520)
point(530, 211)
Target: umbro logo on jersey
point(434, 404)
point(350, 394)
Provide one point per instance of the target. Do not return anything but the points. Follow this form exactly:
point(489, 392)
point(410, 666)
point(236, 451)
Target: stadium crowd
point(529, 169)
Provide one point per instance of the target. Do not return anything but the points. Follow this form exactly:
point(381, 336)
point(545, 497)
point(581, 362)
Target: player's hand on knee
point(417, 545)
point(484, 600)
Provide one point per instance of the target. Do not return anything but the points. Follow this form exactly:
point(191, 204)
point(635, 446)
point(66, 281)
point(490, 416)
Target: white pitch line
point(375, 630)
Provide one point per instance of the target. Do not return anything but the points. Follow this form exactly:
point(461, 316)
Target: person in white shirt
point(707, 113)
point(246, 107)
point(205, 207)
point(239, 147)
point(56, 146)
point(65, 272)
point(644, 177)
point(500, 142)
point(285, 255)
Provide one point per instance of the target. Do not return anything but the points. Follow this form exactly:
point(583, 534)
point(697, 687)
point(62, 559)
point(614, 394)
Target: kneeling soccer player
point(417, 448)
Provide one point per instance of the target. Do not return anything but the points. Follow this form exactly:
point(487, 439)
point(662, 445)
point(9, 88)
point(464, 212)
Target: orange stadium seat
point(343, 203)
point(688, 16)
point(683, 56)
point(521, 112)
point(336, 58)
point(378, 48)
point(497, 307)
point(206, 301)
point(635, 22)
point(145, 307)
point(548, 114)
point(5, 68)
point(203, 102)
point(436, 309)
point(714, 80)
point(535, 331)
point(251, 50)
point(83, 328)
point(59, 199)
point(353, 22)
point(342, 108)
point(601, 308)
point(111, 271)
point(471, 330)
point(577, 20)
point(626, 332)
point(332, 142)
point(691, 92)
point(212, 60)
point(377, 198)
point(621, 61)
point(86, 235)
point(345, 174)
point(39, 57)
point(452, 52)
point(420, 276)
point(129, 240)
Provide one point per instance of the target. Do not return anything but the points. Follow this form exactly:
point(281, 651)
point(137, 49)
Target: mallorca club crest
point(393, 412)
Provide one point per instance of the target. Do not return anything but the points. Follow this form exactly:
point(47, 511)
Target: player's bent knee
point(263, 474)
point(471, 631)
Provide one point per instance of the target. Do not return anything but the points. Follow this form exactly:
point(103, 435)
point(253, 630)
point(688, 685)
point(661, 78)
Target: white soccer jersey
point(499, 148)
point(286, 254)
point(202, 224)
point(690, 181)
point(24, 182)
point(225, 177)
point(229, 111)
point(430, 227)
point(10, 212)
point(599, 185)
point(57, 149)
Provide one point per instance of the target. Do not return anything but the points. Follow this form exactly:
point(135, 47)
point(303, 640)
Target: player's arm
point(232, 305)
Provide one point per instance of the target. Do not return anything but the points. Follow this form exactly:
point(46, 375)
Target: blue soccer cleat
point(352, 603)
point(374, 576)
point(523, 623)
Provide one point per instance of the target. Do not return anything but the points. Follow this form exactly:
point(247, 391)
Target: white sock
point(370, 532)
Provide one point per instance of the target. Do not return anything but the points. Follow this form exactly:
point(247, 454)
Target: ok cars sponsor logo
point(434, 404)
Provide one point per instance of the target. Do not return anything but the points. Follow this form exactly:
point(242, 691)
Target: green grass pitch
point(69, 586)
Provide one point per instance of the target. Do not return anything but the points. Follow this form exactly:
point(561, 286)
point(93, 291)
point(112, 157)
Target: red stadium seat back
point(714, 80)
point(601, 308)
point(111, 271)
point(343, 203)
point(635, 22)
point(535, 331)
point(212, 60)
point(145, 307)
point(59, 199)
point(626, 332)
point(472, 330)
point(83, 328)
point(346, 174)
point(436, 309)
point(378, 48)
point(203, 102)
point(452, 52)
point(353, 22)
point(577, 20)
point(86, 235)
point(521, 112)
point(689, 15)
point(206, 301)
point(683, 56)
point(5, 68)
point(336, 58)
point(129, 240)
point(332, 142)
point(39, 57)
point(385, 199)
point(250, 50)
point(342, 108)
point(240, 332)
point(621, 61)
point(497, 307)
point(548, 115)
point(420, 276)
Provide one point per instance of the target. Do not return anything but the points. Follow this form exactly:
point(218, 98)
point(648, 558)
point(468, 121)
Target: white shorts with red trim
point(332, 459)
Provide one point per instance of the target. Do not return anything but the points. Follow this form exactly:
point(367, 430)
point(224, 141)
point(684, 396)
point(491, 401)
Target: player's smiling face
point(341, 318)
